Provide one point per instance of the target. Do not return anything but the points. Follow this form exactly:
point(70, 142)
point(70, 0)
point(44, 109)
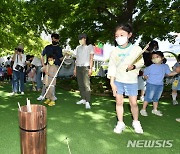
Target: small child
point(176, 82)
point(32, 77)
point(155, 74)
point(9, 73)
point(50, 71)
point(124, 82)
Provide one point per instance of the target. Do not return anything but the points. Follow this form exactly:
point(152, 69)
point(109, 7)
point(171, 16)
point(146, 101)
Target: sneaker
point(40, 98)
point(87, 105)
point(119, 127)
point(142, 98)
point(55, 98)
point(13, 93)
point(51, 103)
point(47, 101)
point(137, 127)
point(175, 102)
point(22, 93)
point(178, 119)
point(157, 112)
point(81, 102)
point(143, 113)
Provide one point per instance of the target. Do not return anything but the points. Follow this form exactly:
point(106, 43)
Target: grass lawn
point(88, 131)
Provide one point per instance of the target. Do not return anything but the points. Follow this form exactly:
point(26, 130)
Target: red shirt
point(9, 71)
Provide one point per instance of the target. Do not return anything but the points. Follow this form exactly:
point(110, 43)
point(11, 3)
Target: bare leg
point(142, 93)
point(119, 107)
point(174, 94)
point(134, 106)
point(145, 105)
point(155, 105)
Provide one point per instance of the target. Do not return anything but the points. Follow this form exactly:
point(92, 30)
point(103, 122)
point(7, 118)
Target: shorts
point(153, 92)
point(129, 89)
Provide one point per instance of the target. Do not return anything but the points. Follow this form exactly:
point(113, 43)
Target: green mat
point(89, 131)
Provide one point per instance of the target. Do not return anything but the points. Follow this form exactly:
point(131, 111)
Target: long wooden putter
point(53, 78)
point(140, 55)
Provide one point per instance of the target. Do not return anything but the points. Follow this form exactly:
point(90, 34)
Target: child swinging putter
point(123, 81)
point(50, 70)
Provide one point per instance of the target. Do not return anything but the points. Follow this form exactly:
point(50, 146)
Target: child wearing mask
point(123, 81)
point(153, 46)
point(154, 74)
point(50, 71)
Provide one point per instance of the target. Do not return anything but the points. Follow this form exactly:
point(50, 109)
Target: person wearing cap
point(19, 59)
point(83, 69)
point(52, 50)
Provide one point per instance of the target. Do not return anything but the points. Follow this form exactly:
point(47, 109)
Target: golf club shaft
point(53, 78)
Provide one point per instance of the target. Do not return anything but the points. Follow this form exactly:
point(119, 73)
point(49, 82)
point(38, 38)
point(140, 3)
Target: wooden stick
point(139, 55)
point(54, 78)
point(19, 107)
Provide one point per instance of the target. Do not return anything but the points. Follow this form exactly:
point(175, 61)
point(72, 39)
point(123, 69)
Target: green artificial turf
point(88, 131)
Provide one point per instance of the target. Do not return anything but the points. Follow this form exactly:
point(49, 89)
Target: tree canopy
point(24, 20)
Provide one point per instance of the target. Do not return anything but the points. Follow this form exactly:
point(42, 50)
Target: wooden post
point(33, 129)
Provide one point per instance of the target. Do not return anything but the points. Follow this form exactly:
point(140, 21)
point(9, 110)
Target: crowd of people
point(127, 73)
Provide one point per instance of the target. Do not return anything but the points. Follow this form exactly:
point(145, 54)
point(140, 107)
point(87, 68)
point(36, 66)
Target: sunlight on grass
point(62, 138)
point(74, 93)
point(127, 114)
point(4, 94)
point(4, 106)
point(165, 103)
point(95, 116)
point(52, 118)
point(49, 130)
point(91, 114)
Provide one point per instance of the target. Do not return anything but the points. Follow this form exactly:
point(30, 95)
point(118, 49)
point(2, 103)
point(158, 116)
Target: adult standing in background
point(83, 69)
point(37, 63)
point(19, 59)
point(51, 50)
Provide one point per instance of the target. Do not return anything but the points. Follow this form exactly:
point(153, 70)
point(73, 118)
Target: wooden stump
point(33, 130)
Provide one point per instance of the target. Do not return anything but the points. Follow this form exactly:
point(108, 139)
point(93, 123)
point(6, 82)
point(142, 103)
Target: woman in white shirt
point(19, 59)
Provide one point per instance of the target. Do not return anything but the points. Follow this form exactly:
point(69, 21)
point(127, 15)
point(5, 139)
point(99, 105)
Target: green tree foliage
point(17, 27)
point(23, 21)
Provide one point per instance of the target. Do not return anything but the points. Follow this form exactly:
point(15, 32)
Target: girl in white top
point(123, 75)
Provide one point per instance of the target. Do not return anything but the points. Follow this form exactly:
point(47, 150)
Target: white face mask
point(156, 60)
point(121, 40)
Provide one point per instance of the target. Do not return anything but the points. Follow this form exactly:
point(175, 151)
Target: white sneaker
point(142, 98)
point(40, 98)
point(13, 93)
point(55, 98)
point(119, 127)
point(143, 113)
point(87, 105)
point(137, 127)
point(22, 93)
point(175, 102)
point(81, 102)
point(178, 119)
point(157, 112)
